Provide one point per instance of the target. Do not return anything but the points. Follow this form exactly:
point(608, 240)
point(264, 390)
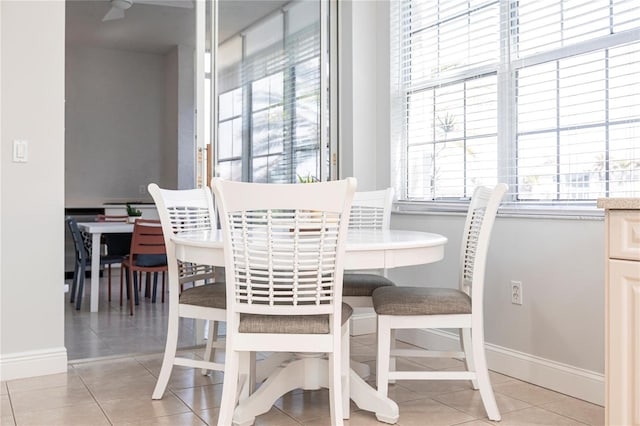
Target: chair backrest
point(78, 241)
point(475, 240)
point(147, 238)
point(184, 209)
point(180, 211)
point(284, 246)
point(371, 209)
point(112, 218)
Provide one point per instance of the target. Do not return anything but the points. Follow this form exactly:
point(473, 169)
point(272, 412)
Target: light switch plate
point(20, 151)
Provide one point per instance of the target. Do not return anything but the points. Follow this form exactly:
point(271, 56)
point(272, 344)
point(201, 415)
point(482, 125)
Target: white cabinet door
point(623, 343)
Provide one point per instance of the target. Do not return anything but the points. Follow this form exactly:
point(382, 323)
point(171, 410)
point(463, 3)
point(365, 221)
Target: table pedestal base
point(311, 373)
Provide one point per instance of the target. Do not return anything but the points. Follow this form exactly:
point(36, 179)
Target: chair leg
point(109, 281)
point(133, 292)
point(209, 351)
point(244, 372)
point(382, 362)
point(465, 342)
point(169, 354)
point(80, 286)
point(137, 287)
point(72, 295)
point(346, 371)
point(482, 374)
point(122, 268)
point(154, 288)
point(164, 280)
point(392, 358)
point(335, 386)
point(229, 386)
point(147, 288)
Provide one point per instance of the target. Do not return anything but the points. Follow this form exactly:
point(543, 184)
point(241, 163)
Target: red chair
point(148, 254)
point(112, 218)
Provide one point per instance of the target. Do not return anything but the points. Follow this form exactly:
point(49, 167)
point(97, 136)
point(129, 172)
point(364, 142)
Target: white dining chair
point(429, 307)
point(369, 210)
point(181, 211)
point(284, 248)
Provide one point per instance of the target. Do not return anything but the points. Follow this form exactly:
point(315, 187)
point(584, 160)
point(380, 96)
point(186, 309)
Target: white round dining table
point(365, 249)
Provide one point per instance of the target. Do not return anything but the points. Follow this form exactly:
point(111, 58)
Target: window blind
point(269, 103)
point(541, 95)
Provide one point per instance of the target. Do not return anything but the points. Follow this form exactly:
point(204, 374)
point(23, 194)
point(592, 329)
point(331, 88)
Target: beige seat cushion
point(420, 301)
point(363, 284)
point(208, 295)
point(290, 324)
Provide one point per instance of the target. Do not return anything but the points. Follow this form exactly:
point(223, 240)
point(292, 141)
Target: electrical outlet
point(142, 189)
point(516, 292)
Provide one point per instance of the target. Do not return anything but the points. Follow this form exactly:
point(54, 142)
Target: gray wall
point(129, 121)
point(32, 193)
point(179, 145)
point(115, 106)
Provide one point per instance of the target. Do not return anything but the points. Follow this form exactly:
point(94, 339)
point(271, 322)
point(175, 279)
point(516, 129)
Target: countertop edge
point(619, 203)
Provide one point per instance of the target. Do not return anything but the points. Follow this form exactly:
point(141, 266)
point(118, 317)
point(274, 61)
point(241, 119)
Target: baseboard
point(569, 380)
point(33, 363)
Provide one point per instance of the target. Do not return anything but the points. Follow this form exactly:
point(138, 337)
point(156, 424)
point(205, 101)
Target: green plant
point(132, 211)
point(307, 179)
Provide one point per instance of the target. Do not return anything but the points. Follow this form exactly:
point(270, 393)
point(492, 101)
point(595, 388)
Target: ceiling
point(155, 28)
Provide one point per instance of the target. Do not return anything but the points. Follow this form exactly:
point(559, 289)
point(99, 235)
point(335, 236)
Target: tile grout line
point(94, 398)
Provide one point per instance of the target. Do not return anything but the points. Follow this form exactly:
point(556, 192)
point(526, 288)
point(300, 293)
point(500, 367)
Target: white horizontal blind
point(578, 99)
point(269, 102)
point(542, 95)
point(449, 64)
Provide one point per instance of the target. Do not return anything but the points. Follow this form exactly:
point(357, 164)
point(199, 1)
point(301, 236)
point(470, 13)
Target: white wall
point(32, 193)
point(358, 93)
point(170, 145)
point(186, 137)
point(115, 115)
point(364, 92)
point(556, 338)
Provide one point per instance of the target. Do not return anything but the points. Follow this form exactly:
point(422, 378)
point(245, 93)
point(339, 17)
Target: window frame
point(506, 71)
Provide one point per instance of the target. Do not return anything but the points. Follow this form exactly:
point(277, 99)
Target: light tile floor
point(112, 331)
point(115, 360)
point(118, 392)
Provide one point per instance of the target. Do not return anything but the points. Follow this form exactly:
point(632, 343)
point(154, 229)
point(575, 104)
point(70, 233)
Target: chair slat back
point(184, 210)
point(371, 209)
point(180, 211)
point(284, 245)
point(147, 238)
point(81, 252)
point(112, 218)
point(475, 239)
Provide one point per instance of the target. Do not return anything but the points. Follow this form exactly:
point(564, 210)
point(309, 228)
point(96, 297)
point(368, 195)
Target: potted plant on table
point(133, 213)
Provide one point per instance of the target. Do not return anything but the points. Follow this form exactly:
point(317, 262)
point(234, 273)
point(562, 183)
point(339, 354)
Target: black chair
point(82, 246)
point(116, 244)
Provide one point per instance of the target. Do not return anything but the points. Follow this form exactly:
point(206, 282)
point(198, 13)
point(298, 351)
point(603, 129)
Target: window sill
point(538, 211)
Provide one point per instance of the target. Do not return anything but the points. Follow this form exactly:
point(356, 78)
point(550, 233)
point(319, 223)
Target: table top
point(365, 248)
point(357, 239)
point(105, 227)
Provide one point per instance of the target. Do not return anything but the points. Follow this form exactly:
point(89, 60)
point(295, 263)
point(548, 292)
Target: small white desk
point(96, 229)
point(365, 249)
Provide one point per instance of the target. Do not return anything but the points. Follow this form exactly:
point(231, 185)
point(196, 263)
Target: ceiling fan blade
point(188, 4)
point(113, 13)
